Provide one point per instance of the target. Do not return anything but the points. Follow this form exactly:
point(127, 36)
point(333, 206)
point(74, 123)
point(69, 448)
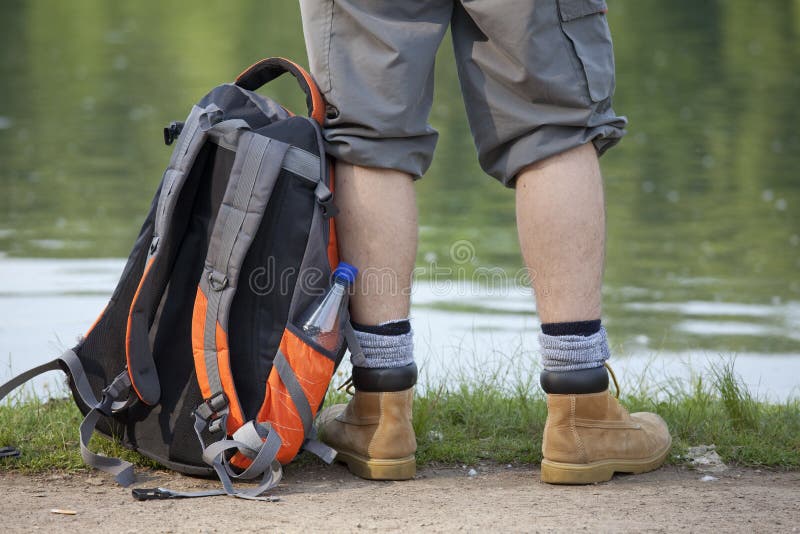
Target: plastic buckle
point(209, 411)
point(329, 209)
point(118, 385)
point(149, 494)
point(217, 402)
point(172, 132)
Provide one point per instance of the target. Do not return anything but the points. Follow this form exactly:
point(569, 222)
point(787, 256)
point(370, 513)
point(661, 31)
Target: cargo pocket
point(311, 369)
point(585, 26)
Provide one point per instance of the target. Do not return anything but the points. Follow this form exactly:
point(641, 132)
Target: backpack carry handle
point(266, 70)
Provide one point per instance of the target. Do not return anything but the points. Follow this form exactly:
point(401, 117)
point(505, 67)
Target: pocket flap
point(575, 9)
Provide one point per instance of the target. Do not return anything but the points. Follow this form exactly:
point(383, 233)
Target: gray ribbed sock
point(381, 351)
point(571, 353)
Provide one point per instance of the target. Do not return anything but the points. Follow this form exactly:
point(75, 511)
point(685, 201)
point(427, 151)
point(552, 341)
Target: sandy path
point(315, 498)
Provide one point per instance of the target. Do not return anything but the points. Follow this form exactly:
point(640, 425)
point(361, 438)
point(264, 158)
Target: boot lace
point(348, 386)
point(614, 378)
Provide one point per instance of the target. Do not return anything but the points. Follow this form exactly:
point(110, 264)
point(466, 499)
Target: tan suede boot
point(373, 434)
point(589, 437)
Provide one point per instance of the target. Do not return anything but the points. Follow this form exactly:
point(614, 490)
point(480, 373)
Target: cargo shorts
point(536, 77)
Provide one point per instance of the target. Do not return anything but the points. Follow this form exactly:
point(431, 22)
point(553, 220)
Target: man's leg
point(539, 120)
point(377, 232)
point(374, 63)
point(561, 225)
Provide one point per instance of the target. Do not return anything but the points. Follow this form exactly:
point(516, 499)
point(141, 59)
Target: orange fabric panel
point(235, 414)
point(128, 330)
point(198, 341)
point(313, 371)
point(333, 244)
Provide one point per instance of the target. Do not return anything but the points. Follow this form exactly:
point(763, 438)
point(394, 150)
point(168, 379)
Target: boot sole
point(600, 471)
point(378, 469)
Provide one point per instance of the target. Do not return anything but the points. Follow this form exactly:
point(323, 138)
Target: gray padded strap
point(258, 163)
point(189, 143)
point(295, 391)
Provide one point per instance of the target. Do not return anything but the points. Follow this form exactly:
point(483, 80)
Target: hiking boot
point(589, 436)
point(372, 433)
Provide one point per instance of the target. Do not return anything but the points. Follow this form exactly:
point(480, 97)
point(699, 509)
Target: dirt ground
point(318, 498)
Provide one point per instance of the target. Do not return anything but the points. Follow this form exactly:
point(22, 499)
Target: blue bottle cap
point(345, 272)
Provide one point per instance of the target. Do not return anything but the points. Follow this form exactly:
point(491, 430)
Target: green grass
point(481, 421)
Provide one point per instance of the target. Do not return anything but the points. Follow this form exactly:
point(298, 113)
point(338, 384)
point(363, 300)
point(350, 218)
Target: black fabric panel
point(260, 308)
point(102, 352)
point(296, 131)
point(264, 292)
point(168, 432)
point(142, 358)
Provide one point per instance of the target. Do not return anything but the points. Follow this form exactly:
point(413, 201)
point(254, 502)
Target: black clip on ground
point(149, 494)
point(9, 452)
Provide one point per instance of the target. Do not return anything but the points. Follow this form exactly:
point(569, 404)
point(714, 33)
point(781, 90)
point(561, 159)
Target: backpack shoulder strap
point(256, 166)
point(138, 353)
point(202, 124)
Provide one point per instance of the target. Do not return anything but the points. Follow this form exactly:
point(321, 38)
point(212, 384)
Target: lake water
point(703, 195)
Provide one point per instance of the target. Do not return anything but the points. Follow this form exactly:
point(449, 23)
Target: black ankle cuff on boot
point(385, 379)
point(592, 380)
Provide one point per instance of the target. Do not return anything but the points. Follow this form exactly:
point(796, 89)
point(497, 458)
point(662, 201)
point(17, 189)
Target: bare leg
point(561, 225)
point(377, 232)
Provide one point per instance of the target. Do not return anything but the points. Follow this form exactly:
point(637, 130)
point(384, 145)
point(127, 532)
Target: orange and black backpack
point(196, 362)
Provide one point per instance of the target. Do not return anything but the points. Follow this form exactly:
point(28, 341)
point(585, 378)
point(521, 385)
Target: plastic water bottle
point(322, 321)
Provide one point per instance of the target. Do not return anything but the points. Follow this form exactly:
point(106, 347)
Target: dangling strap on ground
point(70, 364)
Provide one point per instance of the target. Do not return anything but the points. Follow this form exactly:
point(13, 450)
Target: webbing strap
point(356, 354)
point(302, 163)
point(320, 450)
point(295, 390)
point(122, 470)
point(264, 463)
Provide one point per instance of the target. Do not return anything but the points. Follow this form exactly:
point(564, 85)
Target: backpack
point(196, 361)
